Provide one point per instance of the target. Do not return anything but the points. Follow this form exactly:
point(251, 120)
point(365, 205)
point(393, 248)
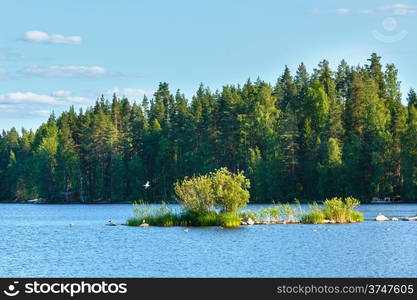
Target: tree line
point(331, 133)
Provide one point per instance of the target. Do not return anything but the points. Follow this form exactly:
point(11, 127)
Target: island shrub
point(222, 189)
point(228, 220)
point(207, 200)
point(196, 194)
point(339, 210)
point(280, 212)
point(230, 190)
point(314, 216)
point(153, 215)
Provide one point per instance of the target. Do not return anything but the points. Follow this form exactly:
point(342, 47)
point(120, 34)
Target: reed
point(339, 210)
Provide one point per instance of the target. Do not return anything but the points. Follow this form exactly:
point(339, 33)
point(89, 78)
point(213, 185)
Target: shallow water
point(37, 241)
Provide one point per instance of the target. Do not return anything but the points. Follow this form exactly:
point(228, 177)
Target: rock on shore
point(381, 218)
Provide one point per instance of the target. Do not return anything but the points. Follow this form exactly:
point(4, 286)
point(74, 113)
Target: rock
point(395, 219)
point(381, 218)
point(243, 223)
point(144, 225)
point(412, 219)
point(293, 221)
point(248, 221)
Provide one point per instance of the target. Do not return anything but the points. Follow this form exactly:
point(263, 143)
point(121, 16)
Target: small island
point(218, 199)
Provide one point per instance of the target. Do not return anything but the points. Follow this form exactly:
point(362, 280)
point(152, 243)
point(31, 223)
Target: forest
point(309, 136)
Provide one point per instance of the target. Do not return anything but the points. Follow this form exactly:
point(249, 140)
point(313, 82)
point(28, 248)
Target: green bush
point(152, 215)
point(133, 222)
point(196, 194)
point(208, 219)
point(223, 189)
point(228, 220)
point(314, 216)
point(340, 210)
point(230, 190)
point(336, 209)
point(356, 216)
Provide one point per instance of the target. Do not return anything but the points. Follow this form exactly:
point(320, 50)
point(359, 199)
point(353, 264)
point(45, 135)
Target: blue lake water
point(36, 241)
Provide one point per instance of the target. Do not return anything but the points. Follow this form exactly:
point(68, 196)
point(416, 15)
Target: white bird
point(186, 230)
point(146, 185)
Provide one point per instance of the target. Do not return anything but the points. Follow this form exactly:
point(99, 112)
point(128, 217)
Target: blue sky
point(57, 53)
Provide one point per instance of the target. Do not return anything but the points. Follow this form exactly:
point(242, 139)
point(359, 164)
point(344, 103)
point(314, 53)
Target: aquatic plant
point(339, 210)
point(228, 220)
point(314, 216)
point(249, 214)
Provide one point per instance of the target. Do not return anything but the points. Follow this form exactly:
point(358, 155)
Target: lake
point(37, 241)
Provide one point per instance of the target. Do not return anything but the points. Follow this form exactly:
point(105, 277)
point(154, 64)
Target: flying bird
point(146, 185)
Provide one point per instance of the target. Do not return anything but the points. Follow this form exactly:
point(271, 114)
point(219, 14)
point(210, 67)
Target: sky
point(54, 54)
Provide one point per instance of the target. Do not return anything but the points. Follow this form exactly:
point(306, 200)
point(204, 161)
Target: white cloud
point(22, 104)
point(41, 112)
point(32, 98)
point(78, 99)
point(35, 36)
point(61, 93)
point(65, 71)
point(342, 11)
point(398, 9)
point(338, 11)
point(129, 92)
point(316, 11)
point(136, 93)
point(401, 9)
point(29, 97)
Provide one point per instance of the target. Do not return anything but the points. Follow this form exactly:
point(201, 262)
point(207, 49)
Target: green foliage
point(339, 210)
point(315, 215)
point(230, 190)
point(164, 216)
point(249, 214)
point(221, 188)
point(229, 220)
point(196, 194)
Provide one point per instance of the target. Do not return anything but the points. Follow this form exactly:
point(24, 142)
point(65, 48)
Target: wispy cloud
point(9, 55)
point(41, 105)
point(57, 99)
point(61, 93)
point(65, 71)
point(338, 11)
point(342, 11)
point(4, 74)
point(41, 112)
point(35, 36)
point(29, 97)
point(398, 9)
point(132, 93)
